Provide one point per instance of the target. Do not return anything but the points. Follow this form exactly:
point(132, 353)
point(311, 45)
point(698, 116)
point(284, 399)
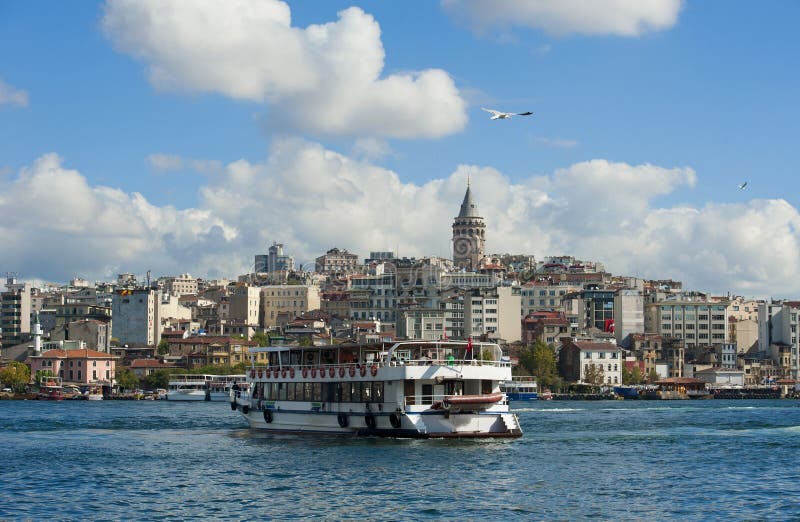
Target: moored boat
point(406, 389)
point(50, 390)
point(521, 388)
point(626, 392)
point(201, 387)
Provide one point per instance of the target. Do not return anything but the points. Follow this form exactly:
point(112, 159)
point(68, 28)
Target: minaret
point(469, 234)
point(37, 335)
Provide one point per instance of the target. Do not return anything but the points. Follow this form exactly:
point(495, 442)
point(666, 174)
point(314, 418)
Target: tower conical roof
point(468, 207)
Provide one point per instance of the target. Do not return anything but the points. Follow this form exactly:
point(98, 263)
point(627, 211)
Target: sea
point(599, 460)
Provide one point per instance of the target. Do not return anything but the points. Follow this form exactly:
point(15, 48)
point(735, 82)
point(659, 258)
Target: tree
point(593, 374)
point(163, 347)
point(540, 360)
point(127, 380)
point(16, 376)
point(157, 379)
point(261, 338)
point(652, 376)
point(42, 375)
point(632, 376)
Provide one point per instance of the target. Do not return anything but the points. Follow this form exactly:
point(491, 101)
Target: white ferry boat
point(521, 389)
point(407, 389)
point(196, 387)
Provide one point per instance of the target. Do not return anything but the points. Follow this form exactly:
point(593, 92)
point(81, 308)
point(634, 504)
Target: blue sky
point(187, 136)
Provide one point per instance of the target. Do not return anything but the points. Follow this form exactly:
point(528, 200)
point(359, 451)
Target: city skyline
point(130, 141)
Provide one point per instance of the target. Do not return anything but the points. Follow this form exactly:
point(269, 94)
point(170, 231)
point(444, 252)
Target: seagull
point(497, 115)
point(742, 186)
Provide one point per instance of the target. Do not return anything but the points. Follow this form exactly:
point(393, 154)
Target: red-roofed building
point(76, 366)
point(204, 350)
point(144, 367)
point(546, 326)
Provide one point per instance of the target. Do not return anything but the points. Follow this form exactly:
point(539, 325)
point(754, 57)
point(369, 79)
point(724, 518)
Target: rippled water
point(640, 460)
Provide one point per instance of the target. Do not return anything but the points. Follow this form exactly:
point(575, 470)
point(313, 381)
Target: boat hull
point(525, 396)
point(425, 424)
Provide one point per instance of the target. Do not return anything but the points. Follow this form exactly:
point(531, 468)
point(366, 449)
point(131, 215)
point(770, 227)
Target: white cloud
point(12, 96)
point(561, 17)
point(55, 225)
point(323, 79)
point(310, 199)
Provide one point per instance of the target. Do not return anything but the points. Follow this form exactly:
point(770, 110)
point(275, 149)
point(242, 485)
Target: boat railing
point(379, 364)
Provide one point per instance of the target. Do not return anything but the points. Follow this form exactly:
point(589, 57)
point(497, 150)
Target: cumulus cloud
point(562, 17)
point(55, 225)
point(12, 96)
point(311, 198)
point(324, 78)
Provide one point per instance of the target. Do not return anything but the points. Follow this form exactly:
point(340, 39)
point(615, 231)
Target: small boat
point(521, 388)
point(420, 389)
point(626, 392)
point(546, 395)
point(50, 390)
point(201, 387)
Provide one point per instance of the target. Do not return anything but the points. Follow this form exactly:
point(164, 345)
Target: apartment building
point(291, 299)
point(697, 322)
point(15, 311)
point(493, 312)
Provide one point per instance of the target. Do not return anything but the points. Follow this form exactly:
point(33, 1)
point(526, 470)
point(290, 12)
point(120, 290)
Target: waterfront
point(577, 460)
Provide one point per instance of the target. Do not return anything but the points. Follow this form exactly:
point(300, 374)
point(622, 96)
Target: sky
point(180, 137)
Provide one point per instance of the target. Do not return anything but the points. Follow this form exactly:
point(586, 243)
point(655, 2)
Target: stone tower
point(469, 234)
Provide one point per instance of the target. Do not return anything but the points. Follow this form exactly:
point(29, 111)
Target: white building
point(494, 312)
point(628, 314)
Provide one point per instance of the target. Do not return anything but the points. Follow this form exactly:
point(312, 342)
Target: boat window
point(409, 391)
point(329, 392)
point(454, 387)
point(427, 394)
point(316, 391)
point(281, 391)
point(486, 387)
point(346, 397)
point(377, 391)
point(290, 394)
point(308, 392)
point(355, 392)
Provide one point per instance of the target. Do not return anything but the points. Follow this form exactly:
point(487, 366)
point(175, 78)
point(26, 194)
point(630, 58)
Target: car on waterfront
point(6, 390)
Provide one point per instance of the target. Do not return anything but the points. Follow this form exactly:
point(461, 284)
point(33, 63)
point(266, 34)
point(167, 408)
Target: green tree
point(636, 376)
point(42, 375)
point(305, 341)
point(653, 376)
point(16, 376)
point(540, 360)
point(157, 379)
point(627, 376)
point(593, 375)
point(261, 338)
point(127, 380)
point(163, 347)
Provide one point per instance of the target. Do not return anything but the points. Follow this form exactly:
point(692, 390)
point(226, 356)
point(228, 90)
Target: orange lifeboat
point(472, 400)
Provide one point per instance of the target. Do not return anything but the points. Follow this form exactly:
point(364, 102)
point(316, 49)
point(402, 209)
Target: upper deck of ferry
point(399, 360)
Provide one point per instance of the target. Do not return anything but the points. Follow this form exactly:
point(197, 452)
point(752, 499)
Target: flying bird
point(497, 115)
point(742, 186)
